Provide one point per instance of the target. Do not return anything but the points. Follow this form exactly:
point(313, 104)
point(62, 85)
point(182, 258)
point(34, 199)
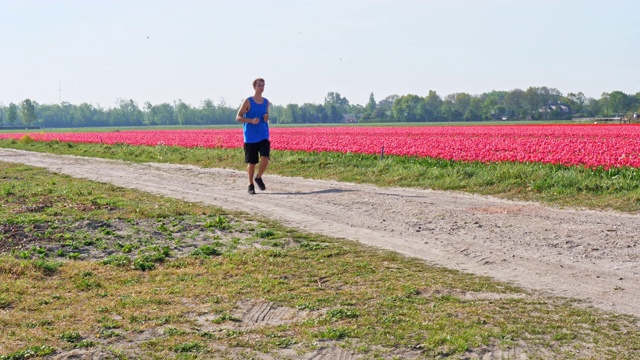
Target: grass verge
point(90, 268)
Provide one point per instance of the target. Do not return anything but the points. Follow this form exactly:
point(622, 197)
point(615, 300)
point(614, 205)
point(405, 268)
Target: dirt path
point(588, 255)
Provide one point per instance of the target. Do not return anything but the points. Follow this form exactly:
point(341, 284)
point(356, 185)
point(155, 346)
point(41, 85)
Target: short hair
point(255, 82)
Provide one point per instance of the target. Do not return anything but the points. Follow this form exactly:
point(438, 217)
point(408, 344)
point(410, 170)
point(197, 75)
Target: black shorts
point(251, 151)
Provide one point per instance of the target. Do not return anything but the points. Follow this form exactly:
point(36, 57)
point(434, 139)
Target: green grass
point(197, 276)
point(616, 189)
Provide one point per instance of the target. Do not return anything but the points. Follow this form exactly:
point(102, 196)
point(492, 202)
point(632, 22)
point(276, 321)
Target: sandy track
point(589, 255)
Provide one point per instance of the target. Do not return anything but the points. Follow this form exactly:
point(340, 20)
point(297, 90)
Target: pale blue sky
point(161, 51)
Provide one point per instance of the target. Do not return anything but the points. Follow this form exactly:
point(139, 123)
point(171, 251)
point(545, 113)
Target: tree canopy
point(534, 103)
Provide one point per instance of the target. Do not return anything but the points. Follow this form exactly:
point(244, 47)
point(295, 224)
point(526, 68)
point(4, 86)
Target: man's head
point(259, 82)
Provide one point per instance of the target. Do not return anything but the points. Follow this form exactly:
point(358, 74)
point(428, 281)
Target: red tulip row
point(587, 145)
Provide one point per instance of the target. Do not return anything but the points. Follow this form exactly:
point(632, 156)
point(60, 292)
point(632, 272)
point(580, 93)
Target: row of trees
point(125, 113)
point(534, 103)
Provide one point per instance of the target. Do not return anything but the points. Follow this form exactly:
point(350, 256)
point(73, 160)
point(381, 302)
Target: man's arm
point(243, 110)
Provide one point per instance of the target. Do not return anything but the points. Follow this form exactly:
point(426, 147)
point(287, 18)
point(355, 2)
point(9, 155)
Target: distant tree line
point(535, 103)
point(126, 113)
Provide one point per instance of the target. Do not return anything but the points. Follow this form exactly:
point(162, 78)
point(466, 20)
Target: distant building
point(559, 107)
point(556, 110)
point(495, 116)
point(350, 118)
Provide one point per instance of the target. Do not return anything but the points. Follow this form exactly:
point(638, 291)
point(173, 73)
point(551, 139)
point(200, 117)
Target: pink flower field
point(585, 145)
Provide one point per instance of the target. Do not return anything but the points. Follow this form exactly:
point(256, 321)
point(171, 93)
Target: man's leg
point(251, 169)
point(251, 158)
point(264, 149)
point(264, 162)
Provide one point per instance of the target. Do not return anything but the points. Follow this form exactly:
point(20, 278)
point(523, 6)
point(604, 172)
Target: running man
point(254, 114)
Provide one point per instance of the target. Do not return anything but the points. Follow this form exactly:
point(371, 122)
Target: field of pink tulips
point(586, 145)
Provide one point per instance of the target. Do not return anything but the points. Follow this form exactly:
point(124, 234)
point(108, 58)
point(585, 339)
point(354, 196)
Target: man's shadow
point(326, 191)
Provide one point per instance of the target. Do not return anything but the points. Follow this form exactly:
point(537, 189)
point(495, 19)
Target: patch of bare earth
point(248, 315)
point(254, 313)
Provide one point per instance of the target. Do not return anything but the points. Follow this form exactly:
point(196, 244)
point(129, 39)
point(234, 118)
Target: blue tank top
point(254, 133)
